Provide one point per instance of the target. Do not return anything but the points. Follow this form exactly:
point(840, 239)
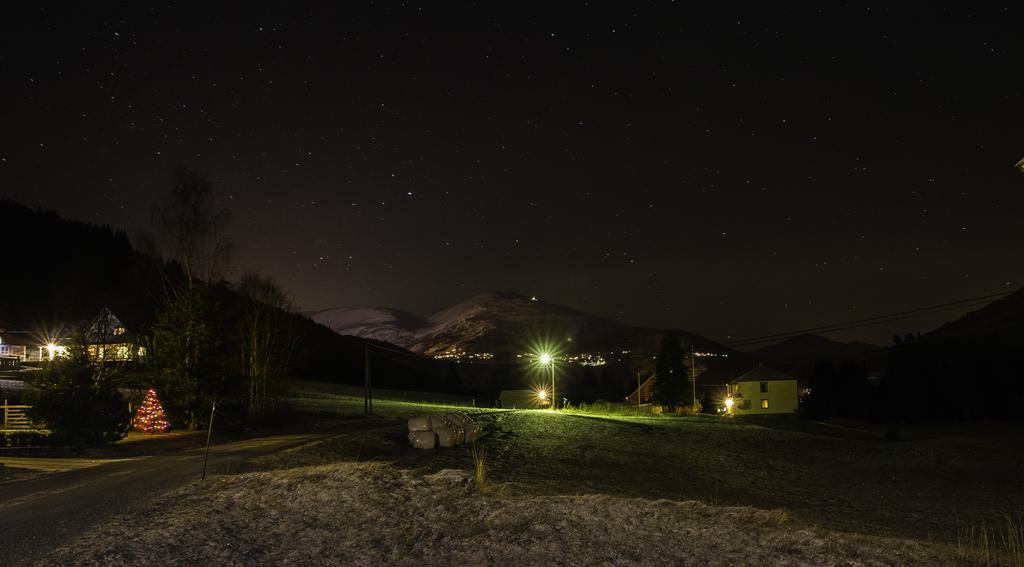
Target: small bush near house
point(23, 439)
point(78, 402)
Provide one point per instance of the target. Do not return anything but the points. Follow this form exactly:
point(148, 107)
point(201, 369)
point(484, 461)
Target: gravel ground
point(578, 489)
point(926, 489)
point(377, 514)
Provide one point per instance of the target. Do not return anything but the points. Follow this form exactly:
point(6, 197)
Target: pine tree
point(670, 375)
point(150, 417)
point(77, 399)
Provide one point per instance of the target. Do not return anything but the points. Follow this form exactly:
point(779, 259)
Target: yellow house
point(761, 391)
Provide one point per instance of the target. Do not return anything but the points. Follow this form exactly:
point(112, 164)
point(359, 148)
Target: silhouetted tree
point(671, 382)
point(189, 330)
point(267, 342)
point(451, 382)
point(76, 398)
point(186, 353)
point(821, 403)
point(192, 226)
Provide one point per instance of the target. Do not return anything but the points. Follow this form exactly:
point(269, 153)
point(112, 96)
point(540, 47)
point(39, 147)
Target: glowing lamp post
point(53, 350)
point(545, 359)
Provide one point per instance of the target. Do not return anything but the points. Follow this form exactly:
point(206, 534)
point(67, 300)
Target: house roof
point(762, 374)
point(19, 338)
point(103, 327)
point(644, 391)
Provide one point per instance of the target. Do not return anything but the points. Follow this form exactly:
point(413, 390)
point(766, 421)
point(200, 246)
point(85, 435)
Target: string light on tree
point(150, 417)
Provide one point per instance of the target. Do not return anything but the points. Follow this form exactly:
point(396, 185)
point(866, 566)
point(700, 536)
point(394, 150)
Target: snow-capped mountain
point(500, 324)
point(377, 323)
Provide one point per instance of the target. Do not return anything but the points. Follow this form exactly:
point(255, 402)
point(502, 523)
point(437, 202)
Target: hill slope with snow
point(500, 323)
point(377, 323)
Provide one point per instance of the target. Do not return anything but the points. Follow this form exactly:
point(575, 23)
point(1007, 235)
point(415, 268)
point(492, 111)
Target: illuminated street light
point(542, 394)
point(546, 359)
point(51, 349)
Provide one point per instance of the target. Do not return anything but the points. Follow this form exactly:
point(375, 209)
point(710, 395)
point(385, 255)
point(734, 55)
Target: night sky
point(731, 173)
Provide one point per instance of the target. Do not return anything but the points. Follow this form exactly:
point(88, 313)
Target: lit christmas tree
point(150, 417)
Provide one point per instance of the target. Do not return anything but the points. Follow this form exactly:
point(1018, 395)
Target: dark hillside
point(56, 269)
point(60, 270)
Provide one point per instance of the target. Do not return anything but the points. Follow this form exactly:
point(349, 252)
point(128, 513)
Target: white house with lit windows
point(761, 391)
point(105, 336)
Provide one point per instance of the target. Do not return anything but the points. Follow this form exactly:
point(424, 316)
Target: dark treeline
point(957, 378)
point(943, 376)
point(59, 270)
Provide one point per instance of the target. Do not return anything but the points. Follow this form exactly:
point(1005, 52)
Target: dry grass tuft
point(479, 453)
point(781, 517)
point(981, 543)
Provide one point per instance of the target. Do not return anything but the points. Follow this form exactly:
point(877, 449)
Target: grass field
point(727, 491)
point(837, 476)
point(339, 399)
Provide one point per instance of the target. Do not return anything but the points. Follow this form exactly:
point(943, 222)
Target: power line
point(876, 320)
point(861, 325)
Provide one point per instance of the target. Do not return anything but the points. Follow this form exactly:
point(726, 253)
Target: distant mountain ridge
point(377, 323)
point(499, 323)
point(804, 350)
point(1003, 314)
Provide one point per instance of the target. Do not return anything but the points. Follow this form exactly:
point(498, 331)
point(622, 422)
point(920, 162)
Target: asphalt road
point(40, 514)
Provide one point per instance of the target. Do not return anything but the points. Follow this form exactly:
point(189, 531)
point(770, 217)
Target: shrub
point(479, 465)
point(22, 439)
point(78, 403)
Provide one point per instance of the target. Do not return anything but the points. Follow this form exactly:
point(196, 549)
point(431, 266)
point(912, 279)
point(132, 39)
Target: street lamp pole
point(545, 359)
point(554, 398)
point(693, 377)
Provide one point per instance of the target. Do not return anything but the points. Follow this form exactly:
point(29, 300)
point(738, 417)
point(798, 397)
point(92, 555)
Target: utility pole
point(367, 391)
point(209, 432)
point(693, 377)
point(638, 391)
